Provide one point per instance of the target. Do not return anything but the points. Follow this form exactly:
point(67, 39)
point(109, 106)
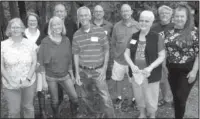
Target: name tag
point(133, 41)
point(106, 32)
point(94, 39)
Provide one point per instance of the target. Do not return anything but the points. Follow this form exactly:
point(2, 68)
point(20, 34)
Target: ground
point(163, 112)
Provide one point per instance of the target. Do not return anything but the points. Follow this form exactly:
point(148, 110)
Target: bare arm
point(196, 64)
point(33, 66)
point(106, 60)
point(76, 63)
point(127, 57)
point(3, 71)
point(193, 73)
point(134, 68)
point(158, 61)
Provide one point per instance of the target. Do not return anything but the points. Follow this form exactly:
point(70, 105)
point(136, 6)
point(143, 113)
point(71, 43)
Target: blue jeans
point(66, 84)
point(91, 86)
point(22, 97)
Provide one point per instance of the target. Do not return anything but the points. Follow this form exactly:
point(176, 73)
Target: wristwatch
point(28, 79)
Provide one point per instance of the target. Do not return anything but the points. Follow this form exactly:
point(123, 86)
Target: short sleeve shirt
point(56, 58)
point(17, 62)
point(140, 55)
point(91, 46)
point(177, 54)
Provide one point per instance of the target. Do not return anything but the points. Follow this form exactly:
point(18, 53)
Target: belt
point(90, 68)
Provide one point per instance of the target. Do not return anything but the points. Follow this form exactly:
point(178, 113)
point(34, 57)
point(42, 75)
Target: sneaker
point(118, 103)
point(133, 105)
point(125, 105)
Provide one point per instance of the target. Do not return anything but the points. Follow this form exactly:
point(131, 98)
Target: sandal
point(162, 103)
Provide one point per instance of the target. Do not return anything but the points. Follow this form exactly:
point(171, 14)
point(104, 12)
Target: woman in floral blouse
point(182, 46)
point(18, 62)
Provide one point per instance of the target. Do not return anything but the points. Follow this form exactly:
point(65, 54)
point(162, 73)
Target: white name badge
point(106, 32)
point(133, 41)
point(94, 39)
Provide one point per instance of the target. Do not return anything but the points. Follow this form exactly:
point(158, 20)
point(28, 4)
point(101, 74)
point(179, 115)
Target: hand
point(135, 69)
point(78, 80)
point(165, 68)
point(45, 85)
point(102, 75)
point(73, 79)
point(28, 79)
point(147, 71)
point(191, 76)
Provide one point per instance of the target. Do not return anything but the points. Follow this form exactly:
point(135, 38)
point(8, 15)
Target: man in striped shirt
point(91, 52)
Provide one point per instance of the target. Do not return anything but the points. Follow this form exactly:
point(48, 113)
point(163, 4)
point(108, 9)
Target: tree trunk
point(73, 11)
point(43, 14)
point(13, 9)
point(22, 10)
point(2, 22)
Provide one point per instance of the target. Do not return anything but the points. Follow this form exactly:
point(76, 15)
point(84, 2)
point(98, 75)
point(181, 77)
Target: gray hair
point(84, 7)
point(164, 7)
point(148, 13)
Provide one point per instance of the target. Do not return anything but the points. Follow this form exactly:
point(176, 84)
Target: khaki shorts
point(118, 71)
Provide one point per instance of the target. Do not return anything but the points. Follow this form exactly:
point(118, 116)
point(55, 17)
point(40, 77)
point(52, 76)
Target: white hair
point(148, 13)
point(84, 7)
point(50, 25)
point(164, 7)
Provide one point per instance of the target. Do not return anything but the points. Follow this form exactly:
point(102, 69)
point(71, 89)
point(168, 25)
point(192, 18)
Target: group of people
point(153, 56)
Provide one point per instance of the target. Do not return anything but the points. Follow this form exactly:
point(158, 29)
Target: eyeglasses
point(98, 11)
point(125, 11)
point(32, 20)
point(16, 28)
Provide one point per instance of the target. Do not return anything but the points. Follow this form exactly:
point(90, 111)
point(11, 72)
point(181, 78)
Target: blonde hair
point(50, 26)
point(14, 20)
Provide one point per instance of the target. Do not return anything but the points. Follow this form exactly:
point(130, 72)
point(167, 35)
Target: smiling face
point(145, 23)
point(180, 18)
point(57, 25)
point(165, 15)
point(32, 22)
point(16, 29)
point(126, 12)
point(98, 12)
point(84, 17)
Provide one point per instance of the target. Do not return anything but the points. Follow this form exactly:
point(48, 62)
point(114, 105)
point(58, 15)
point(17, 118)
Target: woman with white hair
point(55, 58)
point(145, 53)
point(18, 62)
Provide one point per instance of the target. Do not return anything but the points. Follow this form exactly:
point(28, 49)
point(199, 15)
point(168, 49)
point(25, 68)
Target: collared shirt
point(56, 58)
point(91, 46)
point(177, 54)
point(32, 38)
point(107, 27)
point(18, 62)
point(161, 29)
point(120, 36)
